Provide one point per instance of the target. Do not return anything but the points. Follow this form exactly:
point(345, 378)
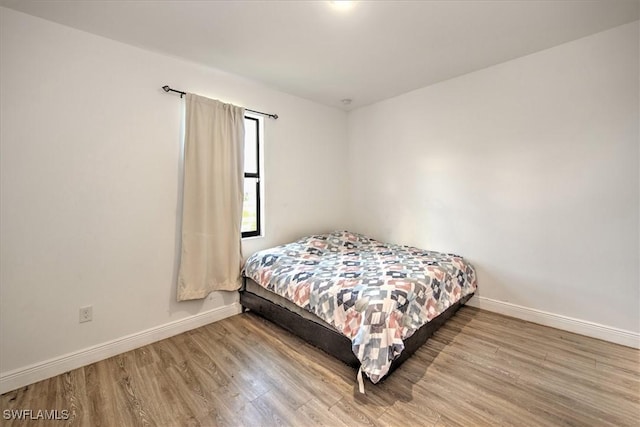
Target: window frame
point(257, 176)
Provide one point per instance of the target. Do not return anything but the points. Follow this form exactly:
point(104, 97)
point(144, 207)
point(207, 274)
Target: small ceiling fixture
point(342, 4)
point(346, 101)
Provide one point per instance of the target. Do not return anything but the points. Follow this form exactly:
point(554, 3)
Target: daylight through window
point(251, 206)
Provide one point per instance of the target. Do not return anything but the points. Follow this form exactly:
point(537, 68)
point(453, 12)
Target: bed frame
point(327, 338)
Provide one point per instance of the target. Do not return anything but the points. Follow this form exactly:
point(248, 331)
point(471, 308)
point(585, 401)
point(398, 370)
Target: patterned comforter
point(377, 294)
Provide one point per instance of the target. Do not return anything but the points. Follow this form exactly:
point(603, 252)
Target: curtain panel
point(211, 257)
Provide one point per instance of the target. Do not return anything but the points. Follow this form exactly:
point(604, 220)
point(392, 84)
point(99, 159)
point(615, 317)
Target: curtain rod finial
point(166, 88)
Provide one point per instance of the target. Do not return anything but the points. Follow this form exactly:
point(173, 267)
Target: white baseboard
point(39, 371)
point(582, 327)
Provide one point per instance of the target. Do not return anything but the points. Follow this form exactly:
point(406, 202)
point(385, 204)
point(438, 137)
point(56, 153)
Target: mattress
point(376, 294)
point(254, 288)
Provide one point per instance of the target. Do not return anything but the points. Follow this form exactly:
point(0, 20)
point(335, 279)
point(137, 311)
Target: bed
point(368, 303)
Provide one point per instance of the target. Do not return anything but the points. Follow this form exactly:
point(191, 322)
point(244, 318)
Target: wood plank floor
point(480, 368)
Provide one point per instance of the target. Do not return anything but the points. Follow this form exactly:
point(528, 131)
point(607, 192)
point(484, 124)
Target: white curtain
point(213, 193)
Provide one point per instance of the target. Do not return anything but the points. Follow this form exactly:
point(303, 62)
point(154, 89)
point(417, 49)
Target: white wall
point(90, 155)
point(528, 168)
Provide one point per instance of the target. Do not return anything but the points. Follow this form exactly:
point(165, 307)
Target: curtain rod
point(167, 89)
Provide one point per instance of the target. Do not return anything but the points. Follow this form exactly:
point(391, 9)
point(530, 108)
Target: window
point(251, 206)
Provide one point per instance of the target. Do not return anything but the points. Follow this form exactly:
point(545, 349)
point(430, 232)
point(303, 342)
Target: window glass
point(252, 183)
point(250, 206)
point(250, 145)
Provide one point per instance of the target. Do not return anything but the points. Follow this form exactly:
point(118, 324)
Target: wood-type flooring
point(480, 368)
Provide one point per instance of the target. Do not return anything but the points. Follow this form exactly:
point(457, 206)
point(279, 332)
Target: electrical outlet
point(86, 314)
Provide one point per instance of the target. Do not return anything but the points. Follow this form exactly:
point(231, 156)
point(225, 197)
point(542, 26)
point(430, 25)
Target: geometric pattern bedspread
point(376, 294)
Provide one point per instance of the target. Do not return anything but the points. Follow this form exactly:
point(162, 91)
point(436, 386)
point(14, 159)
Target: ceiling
point(370, 51)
